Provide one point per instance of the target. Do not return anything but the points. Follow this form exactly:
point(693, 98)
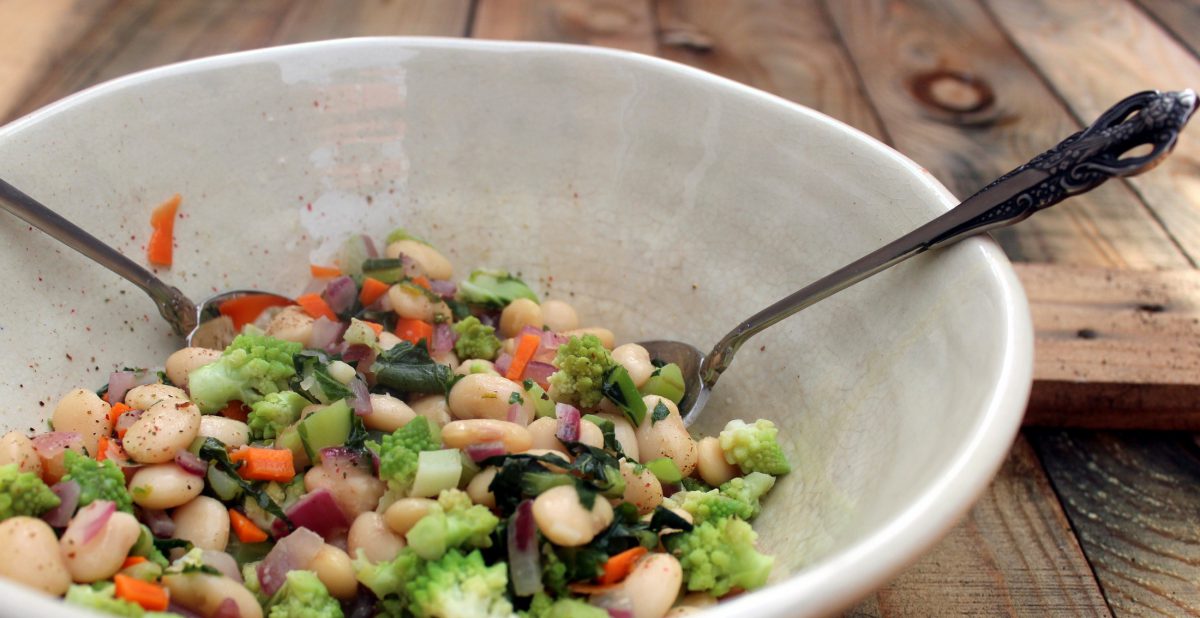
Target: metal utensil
point(1109, 147)
point(197, 323)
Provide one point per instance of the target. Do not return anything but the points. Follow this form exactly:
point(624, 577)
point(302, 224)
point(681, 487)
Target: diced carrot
point(617, 567)
point(132, 560)
point(243, 310)
point(264, 464)
point(102, 448)
point(162, 237)
point(316, 306)
point(526, 346)
point(245, 529)
point(423, 281)
point(378, 328)
point(372, 289)
point(235, 410)
point(324, 272)
point(115, 412)
point(413, 330)
point(151, 597)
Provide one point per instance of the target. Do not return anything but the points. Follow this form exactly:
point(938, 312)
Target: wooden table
point(1097, 509)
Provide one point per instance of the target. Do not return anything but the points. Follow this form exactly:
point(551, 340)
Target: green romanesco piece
point(460, 586)
point(543, 606)
point(252, 367)
point(475, 339)
point(453, 522)
point(101, 597)
point(740, 497)
point(749, 490)
point(303, 596)
point(719, 555)
point(387, 578)
point(399, 451)
point(273, 413)
point(582, 363)
point(23, 493)
point(97, 480)
point(754, 448)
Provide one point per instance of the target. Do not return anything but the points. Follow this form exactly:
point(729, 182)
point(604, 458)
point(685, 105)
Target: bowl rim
point(879, 555)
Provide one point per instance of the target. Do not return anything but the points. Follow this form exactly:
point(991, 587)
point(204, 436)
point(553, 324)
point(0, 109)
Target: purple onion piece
point(356, 352)
point(160, 524)
point(485, 450)
point(176, 608)
point(362, 397)
point(616, 602)
point(126, 420)
point(539, 372)
point(503, 362)
point(568, 422)
point(516, 414)
point(222, 562)
point(49, 445)
point(369, 245)
point(68, 495)
point(489, 318)
point(191, 463)
point(340, 293)
point(670, 489)
point(443, 339)
point(227, 609)
point(292, 552)
point(317, 511)
point(119, 383)
point(523, 556)
point(444, 288)
point(93, 518)
point(325, 333)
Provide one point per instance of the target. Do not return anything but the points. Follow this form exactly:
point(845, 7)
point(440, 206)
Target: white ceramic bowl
point(662, 201)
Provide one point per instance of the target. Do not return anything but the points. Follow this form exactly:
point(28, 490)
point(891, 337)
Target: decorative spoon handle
point(1076, 165)
point(172, 304)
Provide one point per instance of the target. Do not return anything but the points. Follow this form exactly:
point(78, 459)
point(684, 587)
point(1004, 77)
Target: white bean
point(353, 489)
point(164, 486)
point(388, 341)
point(230, 432)
point(625, 434)
point(636, 360)
point(478, 490)
point(101, 556)
point(341, 371)
point(542, 432)
point(476, 365)
point(388, 413)
point(203, 593)
point(370, 534)
point(641, 490)
point(181, 363)
point(16, 448)
point(433, 407)
point(559, 316)
point(710, 462)
point(291, 324)
point(335, 569)
point(483, 395)
point(666, 438)
point(606, 337)
point(410, 301)
point(653, 584)
point(168, 427)
point(517, 315)
point(204, 521)
point(428, 259)
point(404, 513)
point(564, 521)
point(82, 411)
point(31, 555)
point(145, 396)
point(461, 434)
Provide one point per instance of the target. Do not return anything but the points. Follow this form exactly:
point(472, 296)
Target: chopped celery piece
point(225, 486)
point(494, 287)
point(289, 438)
point(619, 389)
point(469, 470)
point(542, 404)
point(437, 470)
point(667, 382)
point(399, 234)
point(359, 333)
point(664, 469)
point(350, 257)
point(387, 270)
point(329, 426)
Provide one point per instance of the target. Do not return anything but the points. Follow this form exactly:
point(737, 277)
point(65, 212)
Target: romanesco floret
point(387, 578)
point(475, 339)
point(543, 606)
point(303, 596)
point(103, 600)
point(460, 586)
point(582, 363)
point(252, 367)
point(453, 522)
point(709, 505)
point(23, 493)
point(754, 448)
point(719, 555)
point(273, 413)
point(399, 451)
point(97, 480)
point(749, 490)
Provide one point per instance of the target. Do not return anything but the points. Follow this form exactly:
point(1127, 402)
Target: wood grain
point(786, 48)
point(1114, 349)
point(1179, 17)
point(1133, 500)
point(623, 24)
point(957, 98)
point(1013, 555)
point(1096, 53)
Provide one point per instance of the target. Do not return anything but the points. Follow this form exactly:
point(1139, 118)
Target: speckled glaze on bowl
point(663, 202)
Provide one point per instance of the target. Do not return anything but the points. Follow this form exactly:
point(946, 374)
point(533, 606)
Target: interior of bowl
point(660, 201)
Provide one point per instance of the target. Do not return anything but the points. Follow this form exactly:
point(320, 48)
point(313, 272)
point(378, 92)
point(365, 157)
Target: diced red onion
point(444, 288)
point(318, 512)
point(568, 422)
point(539, 372)
point(616, 602)
point(489, 318)
point(485, 450)
point(362, 397)
point(49, 445)
point(291, 553)
point(523, 555)
point(126, 420)
point(502, 362)
point(93, 517)
point(222, 562)
point(227, 609)
point(670, 489)
point(119, 383)
point(160, 524)
point(383, 303)
point(191, 463)
point(176, 608)
point(325, 333)
point(551, 340)
point(369, 245)
point(443, 339)
point(516, 414)
point(356, 352)
point(68, 495)
point(374, 462)
point(340, 294)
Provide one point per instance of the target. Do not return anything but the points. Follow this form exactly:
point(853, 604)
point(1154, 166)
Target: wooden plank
point(1132, 499)
point(786, 48)
point(1114, 349)
point(623, 24)
point(318, 19)
point(1094, 54)
point(957, 98)
point(1013, 555)
point(1179, 17)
